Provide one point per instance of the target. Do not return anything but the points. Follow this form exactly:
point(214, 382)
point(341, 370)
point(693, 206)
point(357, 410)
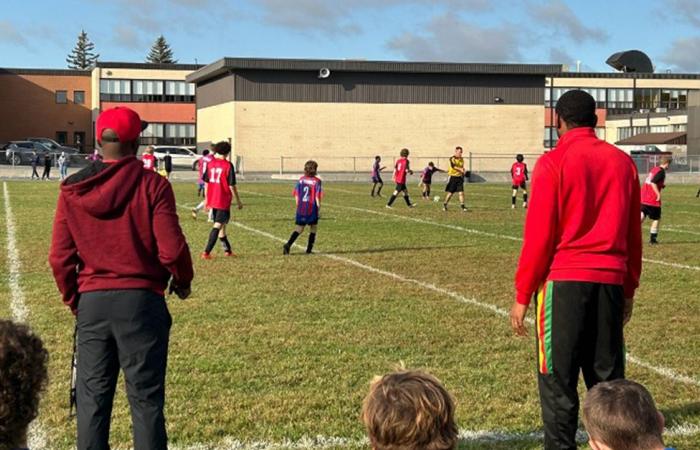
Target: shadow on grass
point(683, 412)
point(395, 249)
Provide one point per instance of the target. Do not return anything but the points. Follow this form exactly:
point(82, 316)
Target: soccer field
point(278, 351)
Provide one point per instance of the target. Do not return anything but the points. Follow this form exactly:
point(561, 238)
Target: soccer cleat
point(412, 205)
point(653, 242)
point(512, 206)
point(194, 213)
point(464, 209)
point(285, 249)
point(229, 254)
point(206, 255)
point(444, 207)
point(389, 207)
point(525, 205)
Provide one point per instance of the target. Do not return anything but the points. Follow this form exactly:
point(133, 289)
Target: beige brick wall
point(216, 123)
point(343, 136)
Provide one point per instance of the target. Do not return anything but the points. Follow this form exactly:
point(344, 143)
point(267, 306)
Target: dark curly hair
point(222, 148)
point(23, 376)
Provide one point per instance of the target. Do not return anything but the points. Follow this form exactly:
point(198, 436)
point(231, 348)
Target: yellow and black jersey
point(456, 162)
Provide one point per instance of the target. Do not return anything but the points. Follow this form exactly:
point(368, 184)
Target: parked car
point(22, 152)
point(182, 156)
point(53, 145)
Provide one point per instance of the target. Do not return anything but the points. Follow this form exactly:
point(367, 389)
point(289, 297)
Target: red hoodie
point(583, 217)
point(116, 227)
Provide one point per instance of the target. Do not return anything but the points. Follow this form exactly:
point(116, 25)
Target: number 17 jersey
point(220, 177)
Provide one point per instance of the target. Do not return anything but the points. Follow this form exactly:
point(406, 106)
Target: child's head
point(409, 410)
point(310, 168)
point(23, 374)
point(377, 158)
point(621, 415)
point(519, 157)
point(665, 161)
point(431, 165)
point(222, 148)
point(205, 152)
point(404, 152)
point(458, 151)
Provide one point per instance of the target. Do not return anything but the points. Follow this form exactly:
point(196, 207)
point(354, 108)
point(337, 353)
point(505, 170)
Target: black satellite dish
point(631, 61)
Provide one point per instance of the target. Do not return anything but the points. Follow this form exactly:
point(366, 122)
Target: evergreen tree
point(161, 53)
point(82, 56)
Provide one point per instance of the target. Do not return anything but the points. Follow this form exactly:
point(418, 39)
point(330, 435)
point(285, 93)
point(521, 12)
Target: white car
point(182, 156)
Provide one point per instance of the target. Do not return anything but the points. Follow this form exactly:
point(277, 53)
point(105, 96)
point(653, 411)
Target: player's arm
point(454, 166)
point(634, 250)
point(205, 178)
point(539, 241)
point(173, 251)
point(527, 175)
point(63, 258)
point(232, 186)
point(658, 178)
point(408, 167)
point(382, 168)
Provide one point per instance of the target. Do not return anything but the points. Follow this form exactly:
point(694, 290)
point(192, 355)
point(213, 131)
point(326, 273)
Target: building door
point(79, 140)
point(62, 137)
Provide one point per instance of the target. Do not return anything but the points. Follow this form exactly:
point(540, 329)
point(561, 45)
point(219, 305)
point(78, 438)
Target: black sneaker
point(444, 207)
point(285, 249)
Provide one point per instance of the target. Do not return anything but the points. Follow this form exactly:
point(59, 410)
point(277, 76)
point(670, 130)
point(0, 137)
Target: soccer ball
point(436, 198)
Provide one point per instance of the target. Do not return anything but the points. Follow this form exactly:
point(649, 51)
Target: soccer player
point(518, 173)
point(207, 156)
point(651, 196)
point(220, 177)
point(401, 168)
point(377, 176)
point(426, 179)
point(455, 183)
point(308, 194)
point(581, 264)
point(149, 160)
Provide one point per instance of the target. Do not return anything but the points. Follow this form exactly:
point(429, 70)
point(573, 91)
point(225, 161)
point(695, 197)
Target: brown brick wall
point(28, 107)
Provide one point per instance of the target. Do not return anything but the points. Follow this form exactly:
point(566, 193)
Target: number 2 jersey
point(220, 178)
point(307, 192)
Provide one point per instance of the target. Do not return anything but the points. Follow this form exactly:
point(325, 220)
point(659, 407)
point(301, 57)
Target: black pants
point(127, 329)
point(579, 329)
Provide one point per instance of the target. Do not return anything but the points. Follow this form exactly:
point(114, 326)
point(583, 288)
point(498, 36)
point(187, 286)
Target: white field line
point(679, 230)
point(321, 442)
point(469, 230)
point(660, 370)
point(37, 434)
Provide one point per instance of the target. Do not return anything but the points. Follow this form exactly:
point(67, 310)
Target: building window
point(79, 97)
point(550, 137)
point(62, 137)
point(179, 91)
point(620, 101)
point(115, 90)
point(169, 134)
point(674, 99)
point(61, 96)
point(148, 91)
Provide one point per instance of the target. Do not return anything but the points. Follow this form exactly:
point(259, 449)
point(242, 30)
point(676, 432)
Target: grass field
point(280, 350)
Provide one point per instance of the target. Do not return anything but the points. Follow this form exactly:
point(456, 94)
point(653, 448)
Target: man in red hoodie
point(116, 245)
point(581, 259)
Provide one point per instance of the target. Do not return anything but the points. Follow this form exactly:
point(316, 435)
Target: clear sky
point(40, 33)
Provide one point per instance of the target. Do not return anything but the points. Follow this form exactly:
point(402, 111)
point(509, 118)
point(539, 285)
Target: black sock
point(391, 199)
point(213, 234)
point(408, 201)
point(310, 245)
point(381, 185)
point(226, 244)
point(653, 236)
point(525, 198)
point(373, 188)
point(292, 238)
point(462, 205)
point(512, 199)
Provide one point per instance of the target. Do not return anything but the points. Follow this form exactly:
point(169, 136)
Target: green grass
point(270, 348)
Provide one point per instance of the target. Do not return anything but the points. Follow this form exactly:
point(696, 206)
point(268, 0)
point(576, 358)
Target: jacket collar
point(575, 134)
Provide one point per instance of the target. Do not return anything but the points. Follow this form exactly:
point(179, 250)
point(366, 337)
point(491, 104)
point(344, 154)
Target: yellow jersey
point(456, 162)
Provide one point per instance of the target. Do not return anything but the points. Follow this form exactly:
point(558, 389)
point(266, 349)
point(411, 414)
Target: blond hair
point(409, 410)
point(622, 415)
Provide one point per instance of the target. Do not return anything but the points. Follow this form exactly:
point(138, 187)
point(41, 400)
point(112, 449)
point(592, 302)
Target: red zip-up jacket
point(116, 227)
point(583, 217)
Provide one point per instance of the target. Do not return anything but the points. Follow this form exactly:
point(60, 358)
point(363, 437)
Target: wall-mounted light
point(498, 100)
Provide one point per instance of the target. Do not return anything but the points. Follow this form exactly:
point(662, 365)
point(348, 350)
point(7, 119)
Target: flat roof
point(132, 65)
point(226, 65)
point(675, 138)
point(50, 72)
point(630, 75)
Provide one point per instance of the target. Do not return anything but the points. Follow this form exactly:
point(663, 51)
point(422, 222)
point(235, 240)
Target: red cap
point(125, 122)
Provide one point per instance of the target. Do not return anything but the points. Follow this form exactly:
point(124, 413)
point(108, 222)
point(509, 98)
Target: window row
point(169, 134)
point(160, 91)
point(551, 137)
point(627, 132)
point(78, 97)
point(624, 100)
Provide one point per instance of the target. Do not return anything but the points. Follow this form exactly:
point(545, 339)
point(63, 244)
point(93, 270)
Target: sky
point(41, 33)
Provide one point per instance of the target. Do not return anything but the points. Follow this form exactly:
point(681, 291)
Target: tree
point(160, 53)
point(82, 56)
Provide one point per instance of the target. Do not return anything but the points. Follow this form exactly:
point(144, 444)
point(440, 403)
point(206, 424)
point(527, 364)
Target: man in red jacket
point(581, 259)
point(116, 244)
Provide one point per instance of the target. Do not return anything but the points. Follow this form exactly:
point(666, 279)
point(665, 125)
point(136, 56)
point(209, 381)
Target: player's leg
point(374, 186)
point(312, 238)
point(524, 197)
point(213, 236)
point(295, 234)
point(427, 192)
point(196, 209)
point(698, 194)
point(406, 198)
point(513, 196)
point(461, 200)
point(379, 190)
point(223, 238)
point(394, 195)
point(654, 232)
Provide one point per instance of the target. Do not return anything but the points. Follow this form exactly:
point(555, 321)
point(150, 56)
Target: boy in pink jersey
point(401, 168)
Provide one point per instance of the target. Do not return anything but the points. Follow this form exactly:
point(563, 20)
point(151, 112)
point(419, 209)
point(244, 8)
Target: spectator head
point(621, 415)
point(378, 158)
point(575, 109)
point(118, 131)
point(404, 152)
point(310, 168)
point(519, 157)
point(222, 148)
point(430, 164)
point(409, 410)
point(23, 375)
point(665, 161)
point(205, 152)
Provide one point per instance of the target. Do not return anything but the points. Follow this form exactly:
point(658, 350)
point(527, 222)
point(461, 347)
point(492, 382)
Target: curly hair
point(23, 376)
point(404, 152)
point(310, 168)
point(222, 148)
